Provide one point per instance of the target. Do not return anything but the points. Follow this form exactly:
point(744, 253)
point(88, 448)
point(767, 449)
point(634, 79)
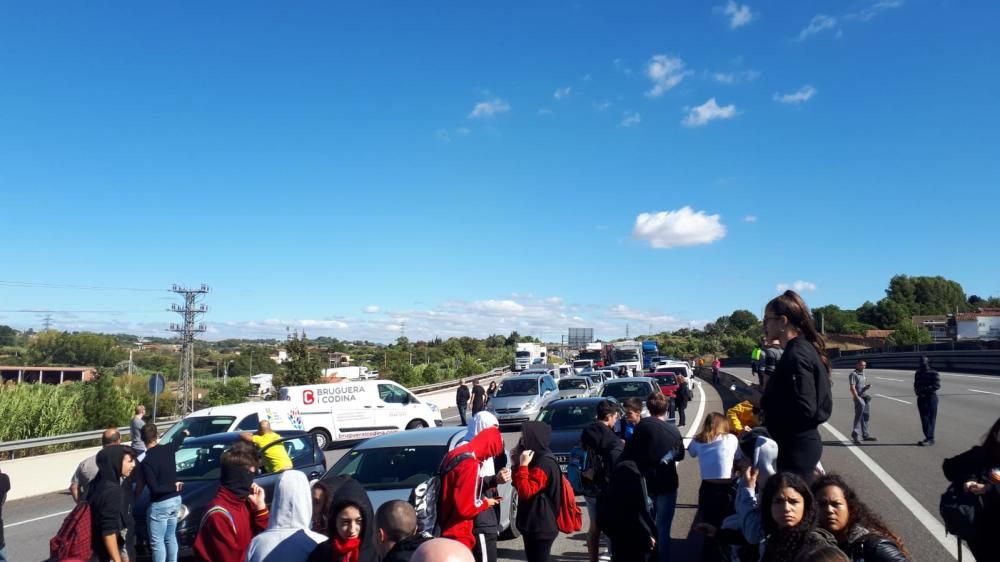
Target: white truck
point(629, 353)
point(527, 354)
point(358, 373)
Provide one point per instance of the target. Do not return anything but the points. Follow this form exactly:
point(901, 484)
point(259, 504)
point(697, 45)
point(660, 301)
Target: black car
point(568, 417)
point(199, 466)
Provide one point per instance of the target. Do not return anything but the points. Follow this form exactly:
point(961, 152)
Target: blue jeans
point(161, 520)
point(3, 554)
point(664, 506)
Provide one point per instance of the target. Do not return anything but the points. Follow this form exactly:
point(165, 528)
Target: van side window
point(391, 394)
point(249, 423)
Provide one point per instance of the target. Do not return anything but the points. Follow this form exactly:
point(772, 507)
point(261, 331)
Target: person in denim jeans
point(159, 472)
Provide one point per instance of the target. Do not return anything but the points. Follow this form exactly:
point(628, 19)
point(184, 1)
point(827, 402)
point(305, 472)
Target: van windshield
point(518, 387)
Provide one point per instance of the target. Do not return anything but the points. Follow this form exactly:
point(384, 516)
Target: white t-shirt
point(715, 459)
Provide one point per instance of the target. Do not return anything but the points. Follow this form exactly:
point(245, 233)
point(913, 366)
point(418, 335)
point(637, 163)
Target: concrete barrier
point(34, 476)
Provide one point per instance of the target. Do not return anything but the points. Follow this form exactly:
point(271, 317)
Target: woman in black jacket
point(788, 518)
point(978, 472)
point(349, 505)
point(623, 515)
point(797, 398)
point(538, 480)
point(860, 533)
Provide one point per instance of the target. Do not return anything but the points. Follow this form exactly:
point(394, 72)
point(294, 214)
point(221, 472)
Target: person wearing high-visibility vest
point(755, 357)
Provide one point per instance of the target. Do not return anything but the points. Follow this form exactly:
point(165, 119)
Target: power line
point(51, 311)
point(33, 285)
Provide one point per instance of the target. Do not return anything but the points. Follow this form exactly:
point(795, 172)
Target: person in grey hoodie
point(287, 536)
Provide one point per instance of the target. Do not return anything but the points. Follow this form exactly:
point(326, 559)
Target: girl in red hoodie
point(237, 514)
point(538, 480)
point(461, 487)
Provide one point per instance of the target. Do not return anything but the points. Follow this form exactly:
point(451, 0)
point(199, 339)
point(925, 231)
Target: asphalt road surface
point(899, 480)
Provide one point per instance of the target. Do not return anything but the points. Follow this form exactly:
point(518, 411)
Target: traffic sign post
point(156, 385)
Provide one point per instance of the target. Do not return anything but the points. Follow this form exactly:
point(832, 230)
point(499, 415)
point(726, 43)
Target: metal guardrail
point(444, 385)
point(67, 438)
point(983, 362)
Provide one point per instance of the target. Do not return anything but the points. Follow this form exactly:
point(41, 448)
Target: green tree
point(251, 361)
point(80, 349)
point(743, 320)
point(907, 334)
point(234, 391)
point(8, 336)
point(927, 295)
point(105, 404)
point(303, 366)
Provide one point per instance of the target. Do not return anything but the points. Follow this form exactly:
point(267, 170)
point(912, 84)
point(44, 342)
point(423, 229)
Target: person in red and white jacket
point(237, 514)
point(461, 488)
point(538, 480)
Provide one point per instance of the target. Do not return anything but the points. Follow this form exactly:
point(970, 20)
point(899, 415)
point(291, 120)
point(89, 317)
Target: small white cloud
point(631, 118)
point(665, 72)
point(802, 95)
point(545, 111)
point(371, 309)
point(602, 105)
point(489, 108)
point(750, 218)
point(735, 77)
point(739, 15)
point(817, 24)
point(725, 78)
point(561, 93)
point(683, 227)
point(798, 286)
point(875, 9)
point(708, 111)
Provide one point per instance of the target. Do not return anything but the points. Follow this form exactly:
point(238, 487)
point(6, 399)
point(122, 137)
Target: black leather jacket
point(863, 546)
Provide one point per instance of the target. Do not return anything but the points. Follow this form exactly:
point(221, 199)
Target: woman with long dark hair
point(797, 398)
point(788, 519)
point(321, 497)
point(978, 472)
point(860, 533)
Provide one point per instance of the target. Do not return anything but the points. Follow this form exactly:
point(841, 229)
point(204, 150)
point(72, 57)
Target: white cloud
point(489, 108)
point(665, 72)
point(631, 118)
point(867, 14)
point(708, 111)
point(735, 77)
point(545, 111)
point(817, 24)
point(750, 218)
point(683, 227)
point(561, 93)
point(739, 15)
point(371, 309)
point(802, 95)
point(798, 286)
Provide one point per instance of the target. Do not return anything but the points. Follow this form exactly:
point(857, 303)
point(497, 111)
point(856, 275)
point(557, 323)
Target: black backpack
point(960, 511)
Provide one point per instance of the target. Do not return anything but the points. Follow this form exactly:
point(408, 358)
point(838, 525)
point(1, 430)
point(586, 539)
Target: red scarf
point(348, 549)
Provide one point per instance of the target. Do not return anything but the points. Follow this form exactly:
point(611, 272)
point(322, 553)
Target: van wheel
point(415, 424)
point(511, 533)
point(322, 438)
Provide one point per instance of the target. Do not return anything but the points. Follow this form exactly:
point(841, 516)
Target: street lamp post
point(225, 373)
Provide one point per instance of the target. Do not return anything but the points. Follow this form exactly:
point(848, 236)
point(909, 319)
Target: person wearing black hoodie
point(538, 481)
point(349, 541)
point(978, 472)
point(623, 515)
point(599, 439)
point(111, 505)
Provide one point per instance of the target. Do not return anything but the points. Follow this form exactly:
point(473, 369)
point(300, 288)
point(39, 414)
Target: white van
point(352, 410)
point(245, 416)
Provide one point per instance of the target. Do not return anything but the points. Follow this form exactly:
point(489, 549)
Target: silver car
point(630, 387)
point(576, 387)
point(521, 397)
point(390, 466)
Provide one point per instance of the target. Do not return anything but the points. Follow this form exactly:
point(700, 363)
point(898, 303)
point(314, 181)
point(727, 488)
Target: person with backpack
point(926, 383)
point(656, 447)
point(860, 533)
point(287, 536)
point(798, 397)
point(486, 526)
point(4, 488)
point(976, 472)
point(352, 526)
point(237, 513)
point(110, 502)
point(715, 448)
point(601, 444)
point(461, 499)
point(624, 516)
point(538, 480)
point(462, 397)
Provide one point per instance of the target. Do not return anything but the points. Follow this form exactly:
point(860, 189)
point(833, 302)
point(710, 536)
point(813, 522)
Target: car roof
point(627, 380)
point(578, 377)
point(232, 437)
point(239, 409)
point(526, 374)
point(428, 436)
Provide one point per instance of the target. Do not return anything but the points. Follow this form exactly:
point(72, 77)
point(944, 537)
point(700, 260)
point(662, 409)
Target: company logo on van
point(308, 396)
point(333, 394)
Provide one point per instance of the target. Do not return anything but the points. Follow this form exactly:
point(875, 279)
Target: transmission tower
point(47, 322)
point(189, 312)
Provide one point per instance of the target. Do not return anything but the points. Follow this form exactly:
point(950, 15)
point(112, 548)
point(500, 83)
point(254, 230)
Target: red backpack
point(72, 542)
point(570, 518)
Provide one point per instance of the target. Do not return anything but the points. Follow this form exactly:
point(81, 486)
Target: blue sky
point(468, 168)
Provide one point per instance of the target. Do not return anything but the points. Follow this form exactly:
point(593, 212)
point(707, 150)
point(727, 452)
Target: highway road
point(899, 480)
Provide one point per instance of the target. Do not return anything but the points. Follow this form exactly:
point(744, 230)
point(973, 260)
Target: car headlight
point(433, 407)
point(182, 512)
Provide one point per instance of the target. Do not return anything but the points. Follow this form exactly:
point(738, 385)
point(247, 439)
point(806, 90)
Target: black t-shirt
point(478, 396)
point(4, 488)
point(462, 396)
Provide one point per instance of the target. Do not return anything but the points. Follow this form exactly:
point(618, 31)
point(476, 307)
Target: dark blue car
point(199, 466)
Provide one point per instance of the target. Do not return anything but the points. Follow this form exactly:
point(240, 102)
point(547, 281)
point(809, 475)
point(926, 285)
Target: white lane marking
point(933, 526)
point(983, 391)
point(888, 379)
point(693, 428)
point(896, 399)
point(26, 521)
point(449, 419)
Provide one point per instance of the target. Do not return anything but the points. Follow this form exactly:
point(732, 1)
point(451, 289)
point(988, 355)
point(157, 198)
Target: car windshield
point(581, 363)
point(572, 384)
point(569, 417)
point(197, 427)
point(518, 387)
point(390, 468)
point(200, 463)
point(624, 356)
point(628, 389)
point(665, 379)
point(596, 378)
